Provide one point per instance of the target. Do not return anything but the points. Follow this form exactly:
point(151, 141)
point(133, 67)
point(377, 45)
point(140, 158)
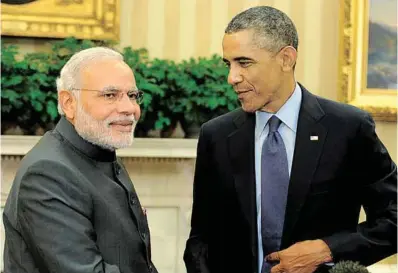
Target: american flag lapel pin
point(314, 138)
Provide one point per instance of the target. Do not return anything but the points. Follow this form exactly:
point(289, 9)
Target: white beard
point(100, 132)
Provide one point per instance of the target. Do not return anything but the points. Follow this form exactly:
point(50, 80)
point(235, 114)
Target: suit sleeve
point(54, 217)
point(376, 173)
point(195, 255)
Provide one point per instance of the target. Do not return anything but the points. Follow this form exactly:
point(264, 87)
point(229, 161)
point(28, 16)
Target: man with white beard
point(72, 207)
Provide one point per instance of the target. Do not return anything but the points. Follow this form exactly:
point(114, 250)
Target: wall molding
point(13, 145)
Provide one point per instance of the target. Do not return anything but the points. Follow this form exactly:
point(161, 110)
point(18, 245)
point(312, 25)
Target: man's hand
point(302, 257)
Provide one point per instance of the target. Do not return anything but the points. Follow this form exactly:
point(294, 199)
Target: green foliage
point(348, 267)
point(192, 91)
point(206, 91)
point(28, 84)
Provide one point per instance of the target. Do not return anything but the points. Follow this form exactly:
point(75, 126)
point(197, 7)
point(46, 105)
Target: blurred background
point(174, 47)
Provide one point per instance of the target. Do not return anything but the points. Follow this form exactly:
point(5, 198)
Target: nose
point(128, 107)
point(234, 76)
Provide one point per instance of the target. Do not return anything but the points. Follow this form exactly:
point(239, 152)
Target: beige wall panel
point(156, 28)
point(298, 16)
point(250, 3)
point(387, 132)
point(283, 5)
point(267, 2)
point(234, 7)
point(203, 28)
point(187, 27)
point(329, 47)
point(139, 23)
point(172, 26)
point(311, 41)
point(219, 18)
point(127, 23)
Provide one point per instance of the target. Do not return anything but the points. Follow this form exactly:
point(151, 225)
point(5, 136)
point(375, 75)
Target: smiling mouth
point(242, 93)
point(123, 126)
point(122, 123)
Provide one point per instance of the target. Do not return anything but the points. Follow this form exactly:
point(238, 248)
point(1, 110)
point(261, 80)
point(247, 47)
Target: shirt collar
point(288, 113)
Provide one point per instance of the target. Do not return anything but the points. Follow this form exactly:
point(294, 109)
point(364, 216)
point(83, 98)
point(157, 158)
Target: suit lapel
point(310, 138)
point(241, 153)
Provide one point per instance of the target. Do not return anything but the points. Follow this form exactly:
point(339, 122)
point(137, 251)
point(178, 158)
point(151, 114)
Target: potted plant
point(206, 92)
point(190, 92)
point(138, 61)
point(159, 79)
point(29, 93)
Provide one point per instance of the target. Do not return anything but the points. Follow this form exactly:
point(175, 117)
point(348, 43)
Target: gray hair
point(273, 28)
point(69, 78)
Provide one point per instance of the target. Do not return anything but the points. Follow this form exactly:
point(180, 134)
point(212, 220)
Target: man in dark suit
point(72, 207)
point(279, 183)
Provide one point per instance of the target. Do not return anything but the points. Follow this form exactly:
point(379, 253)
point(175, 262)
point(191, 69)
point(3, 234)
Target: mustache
point(119, 119)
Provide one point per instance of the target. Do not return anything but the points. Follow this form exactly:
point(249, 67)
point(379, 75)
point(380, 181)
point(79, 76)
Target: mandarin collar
point(68, 132)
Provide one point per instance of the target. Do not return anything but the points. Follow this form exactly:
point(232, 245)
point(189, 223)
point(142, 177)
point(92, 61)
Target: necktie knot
point(274, 123)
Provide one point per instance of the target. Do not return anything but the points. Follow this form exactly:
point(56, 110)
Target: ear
point(67, 102)
point(288, 58)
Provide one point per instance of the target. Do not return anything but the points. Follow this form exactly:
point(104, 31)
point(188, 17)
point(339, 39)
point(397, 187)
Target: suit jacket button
point(117, 168)
point(133, 200)
point(143, 234)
